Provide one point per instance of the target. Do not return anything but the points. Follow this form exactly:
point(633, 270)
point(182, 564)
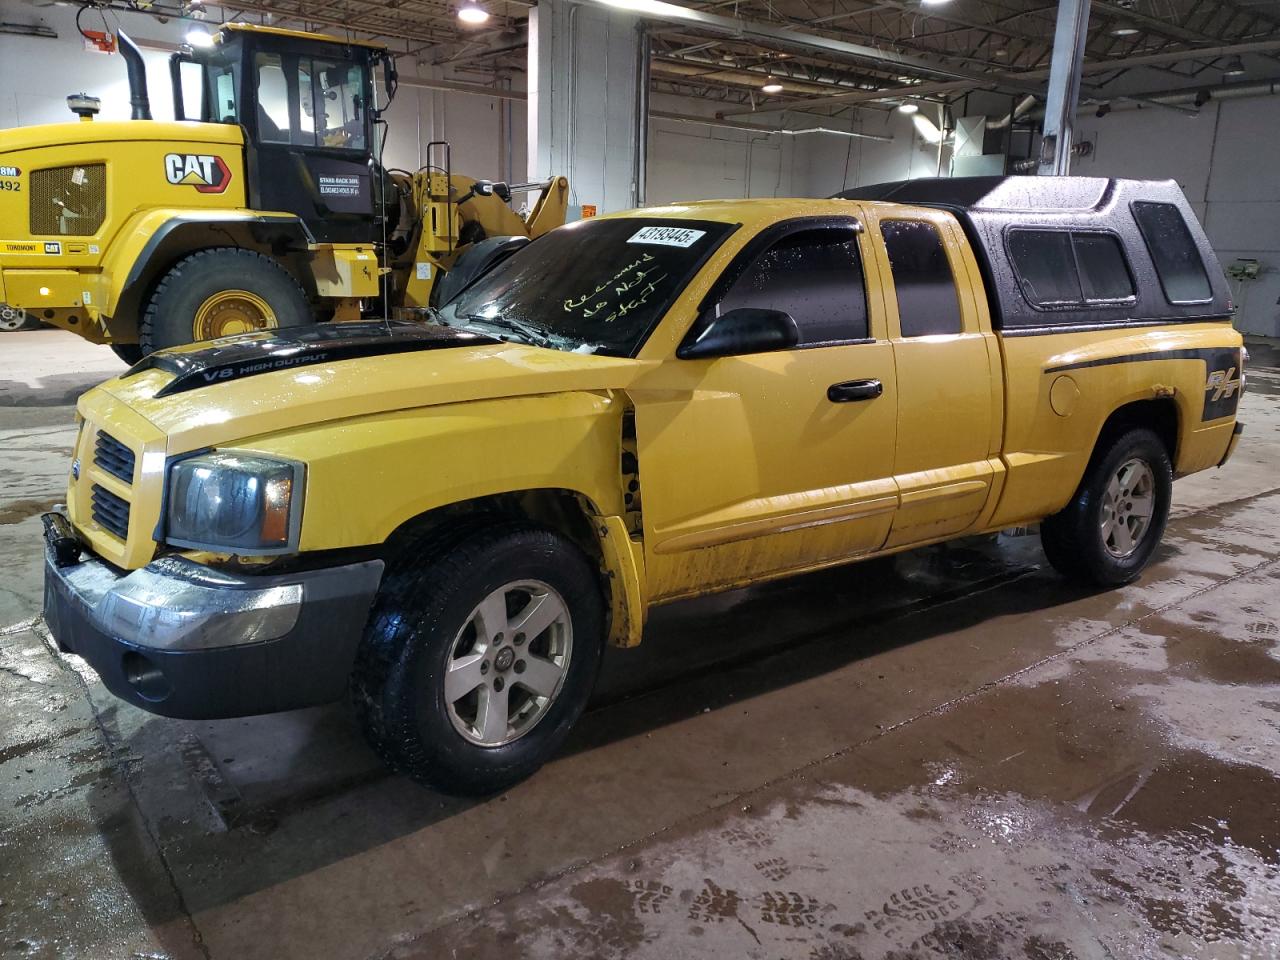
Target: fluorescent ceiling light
point(908, 106)
point(771, 85)
point(199, 37)
point(471, 13)
point(933, 3)
point(1124, 28)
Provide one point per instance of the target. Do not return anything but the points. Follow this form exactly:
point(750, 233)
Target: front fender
point(152, 241)
point(367, 477)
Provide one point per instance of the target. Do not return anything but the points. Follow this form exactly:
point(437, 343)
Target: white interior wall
point(694, 161)
point(1224, 160)
point(833, 163)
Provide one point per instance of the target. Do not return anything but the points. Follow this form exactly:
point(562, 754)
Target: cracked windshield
point(596, 286)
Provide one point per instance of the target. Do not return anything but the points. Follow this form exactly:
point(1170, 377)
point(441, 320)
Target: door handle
point(852, 390)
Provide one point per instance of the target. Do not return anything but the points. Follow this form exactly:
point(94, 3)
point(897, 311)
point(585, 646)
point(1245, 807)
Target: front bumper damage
point(181, 639)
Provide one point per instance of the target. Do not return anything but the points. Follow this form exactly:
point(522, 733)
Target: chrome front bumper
point(184, 640)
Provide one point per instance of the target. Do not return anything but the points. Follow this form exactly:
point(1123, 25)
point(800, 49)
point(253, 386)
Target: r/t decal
point(1223, 383)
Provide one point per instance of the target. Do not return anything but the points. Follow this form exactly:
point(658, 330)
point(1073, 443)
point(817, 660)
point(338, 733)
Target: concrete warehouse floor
point(947, 754)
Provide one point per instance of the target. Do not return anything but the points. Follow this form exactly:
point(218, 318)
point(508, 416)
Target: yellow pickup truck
point(448, 521)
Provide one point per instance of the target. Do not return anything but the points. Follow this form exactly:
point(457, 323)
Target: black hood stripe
point(251, 354)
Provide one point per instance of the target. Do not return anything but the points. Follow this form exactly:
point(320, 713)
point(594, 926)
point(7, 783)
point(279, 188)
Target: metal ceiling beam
point(870, 96)
point(787, 36)
point(997, 80)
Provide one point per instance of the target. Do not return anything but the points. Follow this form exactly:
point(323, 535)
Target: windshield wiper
point(537, 336)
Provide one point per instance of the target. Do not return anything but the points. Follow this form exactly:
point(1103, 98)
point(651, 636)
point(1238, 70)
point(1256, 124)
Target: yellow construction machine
point(263, 204)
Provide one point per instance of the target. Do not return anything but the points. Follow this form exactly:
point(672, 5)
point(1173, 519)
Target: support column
point(1064, 86)
point(587, 114)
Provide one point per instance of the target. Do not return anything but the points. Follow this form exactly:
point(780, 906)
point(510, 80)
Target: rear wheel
point(479, 658)
point(1106, 535)
point(218, 293)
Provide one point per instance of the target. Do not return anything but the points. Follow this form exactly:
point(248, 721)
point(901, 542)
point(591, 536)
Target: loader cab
point(305, 103)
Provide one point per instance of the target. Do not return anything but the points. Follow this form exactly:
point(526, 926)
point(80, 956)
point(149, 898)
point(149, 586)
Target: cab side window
point(816, 276)
point(927, 300)
point(308, 102)
point(273, 99)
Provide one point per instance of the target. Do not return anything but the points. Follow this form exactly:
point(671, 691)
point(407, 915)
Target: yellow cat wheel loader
point(264, 204)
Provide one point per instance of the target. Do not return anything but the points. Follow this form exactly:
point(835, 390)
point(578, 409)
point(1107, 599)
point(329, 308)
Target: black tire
point(1074, 539)
point(169, 319)
point(130, 353)
point(413, 634)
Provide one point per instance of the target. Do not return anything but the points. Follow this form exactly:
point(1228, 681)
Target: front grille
point(114, 457)
point(111, 512)
point(68, 201)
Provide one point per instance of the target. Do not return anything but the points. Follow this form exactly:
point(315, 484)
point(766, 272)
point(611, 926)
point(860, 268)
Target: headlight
point(228, 502)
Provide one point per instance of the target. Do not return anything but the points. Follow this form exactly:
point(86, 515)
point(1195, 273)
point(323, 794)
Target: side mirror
point(745, 330)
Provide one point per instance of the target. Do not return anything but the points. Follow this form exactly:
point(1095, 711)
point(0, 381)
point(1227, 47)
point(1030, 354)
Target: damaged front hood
point(242, 387)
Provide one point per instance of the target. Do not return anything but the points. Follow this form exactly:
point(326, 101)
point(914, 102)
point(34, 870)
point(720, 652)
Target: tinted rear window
point(927, 300)
point(1177, 261)
point(1103, 272)
point(1069, 268)
point(1042, 259)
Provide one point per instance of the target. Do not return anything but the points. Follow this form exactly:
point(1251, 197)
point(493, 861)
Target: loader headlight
point(228, 502)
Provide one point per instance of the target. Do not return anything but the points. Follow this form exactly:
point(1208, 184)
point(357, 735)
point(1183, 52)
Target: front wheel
point(1106, 535)
point(220, 292)
point(477, 661)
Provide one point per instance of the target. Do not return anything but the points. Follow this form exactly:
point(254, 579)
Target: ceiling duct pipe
point(1200, 96)
point(1016, 113)
point(137, 70)
point(753, 128)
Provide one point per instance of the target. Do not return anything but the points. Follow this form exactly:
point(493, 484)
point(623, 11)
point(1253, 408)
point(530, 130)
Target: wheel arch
point(572, 514)
point(1158, 414)
point(283, 238)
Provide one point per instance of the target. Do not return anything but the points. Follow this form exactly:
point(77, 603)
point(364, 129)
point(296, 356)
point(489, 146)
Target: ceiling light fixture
point(199, 37)
point(928, 130)
point(933, 3)
point(908, 106)
point(1123, 28)
point(471, 12)
point(771, 85)
point(1234, 68)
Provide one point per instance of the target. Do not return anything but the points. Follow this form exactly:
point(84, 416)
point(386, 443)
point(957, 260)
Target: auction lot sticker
point(667, 236)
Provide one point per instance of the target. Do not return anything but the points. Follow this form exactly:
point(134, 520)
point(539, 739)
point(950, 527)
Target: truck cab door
point(757, 465)
point(950, 396)
point(309, 152)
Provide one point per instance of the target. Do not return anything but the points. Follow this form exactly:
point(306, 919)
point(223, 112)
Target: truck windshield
point(596, 286)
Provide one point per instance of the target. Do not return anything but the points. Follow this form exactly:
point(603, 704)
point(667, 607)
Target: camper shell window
point(1077, 252)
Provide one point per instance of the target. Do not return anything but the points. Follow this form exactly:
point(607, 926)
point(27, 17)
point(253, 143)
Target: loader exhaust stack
point(137, 77)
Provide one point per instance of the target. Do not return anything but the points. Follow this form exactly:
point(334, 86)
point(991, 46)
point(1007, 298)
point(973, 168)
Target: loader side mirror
point(390, 80)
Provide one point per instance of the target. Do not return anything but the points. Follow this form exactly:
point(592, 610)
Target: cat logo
point(1223, 383)
point(208, 174)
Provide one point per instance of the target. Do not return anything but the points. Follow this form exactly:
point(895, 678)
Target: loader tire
point(221, 292)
